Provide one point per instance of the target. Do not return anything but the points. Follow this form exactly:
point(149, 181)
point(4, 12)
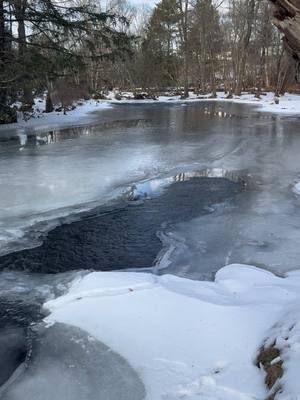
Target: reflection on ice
point(155, 187)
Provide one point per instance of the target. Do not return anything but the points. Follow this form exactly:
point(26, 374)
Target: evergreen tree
point(48, 44)
point(159, 58)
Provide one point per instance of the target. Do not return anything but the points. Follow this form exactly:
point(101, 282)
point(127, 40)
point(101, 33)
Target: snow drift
point(190, 339)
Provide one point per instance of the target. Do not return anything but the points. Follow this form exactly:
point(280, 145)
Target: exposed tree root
point(269, 359)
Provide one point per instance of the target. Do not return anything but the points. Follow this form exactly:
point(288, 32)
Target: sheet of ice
point(267, 237)
point(65, 363)
point(186, 339)
point(46, 183)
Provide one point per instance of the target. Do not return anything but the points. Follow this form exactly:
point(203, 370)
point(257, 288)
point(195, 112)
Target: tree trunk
point(184, 9)
point(49, 105)
point(283, 73)
point(2, 55)
point(20, 7)
point(287, 19)
point(245, 45)
point(7, 114)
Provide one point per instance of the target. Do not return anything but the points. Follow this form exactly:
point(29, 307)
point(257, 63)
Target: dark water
point(123, 237)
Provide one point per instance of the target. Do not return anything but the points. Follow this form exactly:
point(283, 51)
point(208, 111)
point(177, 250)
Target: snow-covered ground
point(82, 114)
point(288, 104)
point(191, 339)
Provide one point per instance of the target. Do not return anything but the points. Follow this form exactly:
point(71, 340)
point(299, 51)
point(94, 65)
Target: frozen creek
point(169, 189)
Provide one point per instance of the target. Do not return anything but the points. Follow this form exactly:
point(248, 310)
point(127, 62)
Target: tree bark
point(245, 45)
point(7, 114)
point(20, 7)
point(2, 30)
point(184, 9)
point(2, 55)
point(287, 19)
point(49, 105)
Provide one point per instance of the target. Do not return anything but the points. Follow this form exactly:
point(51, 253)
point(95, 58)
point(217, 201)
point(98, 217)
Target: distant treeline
point(75, 49)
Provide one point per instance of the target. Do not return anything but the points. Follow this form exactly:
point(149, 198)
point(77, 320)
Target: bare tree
point(183, 6)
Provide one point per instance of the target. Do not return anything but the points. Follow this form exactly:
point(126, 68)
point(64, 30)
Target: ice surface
point(13, 348)
point(21, 299)
point(48, 182)
point(66, 363)
point(40, 185)
point(184, 339)
point(187, 339)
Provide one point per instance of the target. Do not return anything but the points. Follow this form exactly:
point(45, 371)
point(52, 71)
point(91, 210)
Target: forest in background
point(80, 49)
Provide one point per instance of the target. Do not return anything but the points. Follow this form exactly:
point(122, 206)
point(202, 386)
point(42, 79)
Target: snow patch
point(40, 121)
point(187, 339)
point(297, 188)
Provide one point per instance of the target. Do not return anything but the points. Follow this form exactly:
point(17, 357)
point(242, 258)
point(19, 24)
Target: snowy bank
point(289, 104)
point(190, 339)
point(82, 114)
